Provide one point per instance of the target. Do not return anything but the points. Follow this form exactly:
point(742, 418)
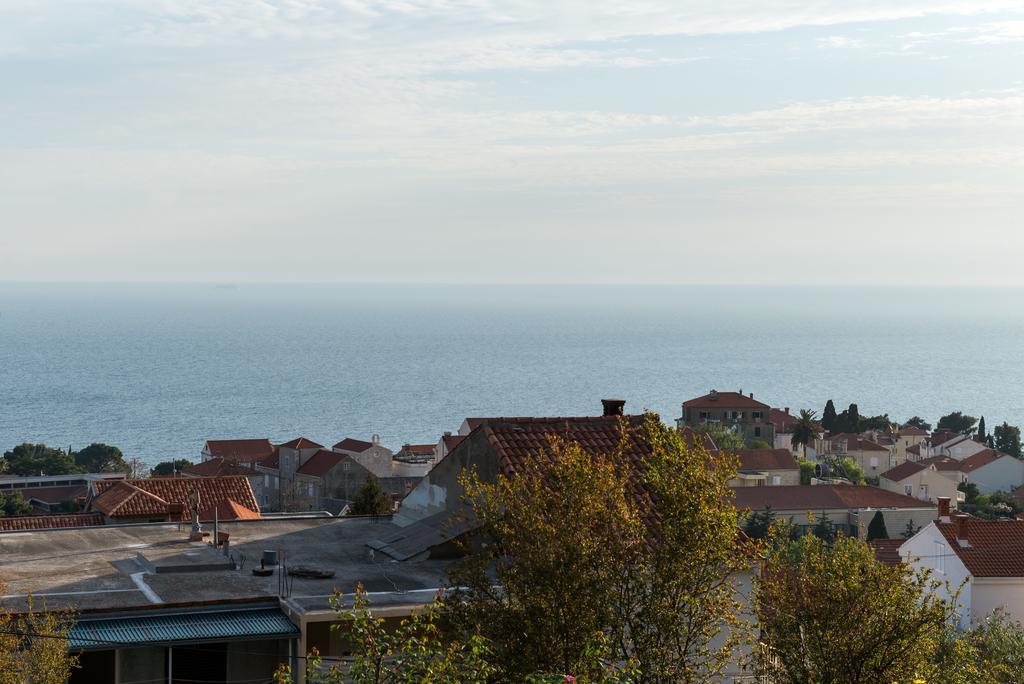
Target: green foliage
point(910, 530)
point(569, 550)
point(828, 416)
point(866, 423)
point(847, 421)
point(957, 422)
point(982, 435)
point(724, 437)
point(970, 491)
point(370, 499)
point(13, 503)
point(36, 459)
point(824, 529)
point(759, 523)
point(845, 467)
point(920, 423)
point(1007, 439)
point(35, 659)
point(806, 471)
point(758, 444)
point(101, 458)
point(169, 468)
point(876, 528)
point(993, 506)
point(832, 613)
point(417, 651)
point(999, 643)
point(806, 429)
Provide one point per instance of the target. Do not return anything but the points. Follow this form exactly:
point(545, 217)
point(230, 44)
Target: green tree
point(828, 416)
point(1007, 439)
point(957, 422)
point(417, 651)
point(38, 459)
point(806, 471)
point(876, 528)
point(970, 491)
point(169, 468)
point(845, 467)
point(371, 499)
point(920, 423)
point(758, 444)
point(25, 656)
point(830, 613)
point(805, 430)
point(724, 437)
point(866, 423)
point(13, 503)
point(759, 523)
point(651, 569)
point(910, 530)
point(100, 458)
point(999, 642)
point(824, 529)
point(982, 435)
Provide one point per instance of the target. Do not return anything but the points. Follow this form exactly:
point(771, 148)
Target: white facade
point(1001, 475)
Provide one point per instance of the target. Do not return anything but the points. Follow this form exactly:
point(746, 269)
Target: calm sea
point(157, 370)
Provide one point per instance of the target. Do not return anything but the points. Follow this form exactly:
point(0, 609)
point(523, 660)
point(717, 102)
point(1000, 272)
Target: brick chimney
point(786, 410)
point(962, 520)
point(613, 407)
point(944, 509)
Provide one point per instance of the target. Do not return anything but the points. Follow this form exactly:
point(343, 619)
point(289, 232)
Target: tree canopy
point(38, 459)
point(806, 429)
point(27, 657)
point(13, 503)
point(371, 499)
point(957, 422)
point(1007, 439)
point(828, 416)
point(876, 528)
point(169, 468)
point(920, 423)
point(724, 437)
point(101, 458)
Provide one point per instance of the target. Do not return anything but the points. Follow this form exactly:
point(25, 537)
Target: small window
point(908, 489)
point(757, 432)
point(757, 415)
point(776, 480)
point(346, 466)
point(940, 558)
point(874, 461)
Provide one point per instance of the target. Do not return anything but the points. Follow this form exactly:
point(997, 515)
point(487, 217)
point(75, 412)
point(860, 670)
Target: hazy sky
point(675, 141)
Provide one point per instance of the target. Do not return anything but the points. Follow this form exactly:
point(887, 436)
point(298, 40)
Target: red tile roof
point(856, 442)
point(914, 449)
point(246, 450)
point(321, 463)
point(980, 459)
point(766, 459)
point(942, 436)
point(944, 463)
point(903, 471)
point(301, 443)
point(724, 400)
point(150, 497)
point(52, 495)
point(273, 461)
point(354, 445)
point(818, 497)
point(995, 548)
point(229, 509)
point(48, 522)
point(782, 421)
point(911, 431)
point(419, 449)
point(451, 441)
point(887, 550)
point(218, 466)
point(692, 437)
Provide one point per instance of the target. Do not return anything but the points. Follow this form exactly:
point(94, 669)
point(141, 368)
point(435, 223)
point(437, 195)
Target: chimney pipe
point(613, 407)
point(944, 509)
point(751, 395)
point(786, 410)
point(961, 527)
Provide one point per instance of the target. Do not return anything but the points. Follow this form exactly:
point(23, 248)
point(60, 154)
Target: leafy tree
point(828, 416)
point(993, 506)
point(882, 422)
point(25, 657)
point(970, 491)
point(371, 499)
point(982, 435)
point(845, 467)
point(13, 503)
point(805, 430)
point(920, 423)
point(169, 468)
point(1007, 439)
point(957, 422)
point(36, 459)
point(910, 530)
point(999, 642)
point(876, 528)
point(647, 552)
point(101, 458)
point(759, 523)
point(806, 471)
point(418, 651)
point(990, 442)
point(724, 437)
point(758, 444)
point(830, 613)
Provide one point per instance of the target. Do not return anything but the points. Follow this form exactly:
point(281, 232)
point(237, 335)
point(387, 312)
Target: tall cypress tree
point(981, 430)
point(828, 416)
point(854, 417)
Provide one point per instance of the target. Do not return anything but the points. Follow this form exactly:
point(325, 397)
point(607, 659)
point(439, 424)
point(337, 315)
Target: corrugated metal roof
point(260, 623)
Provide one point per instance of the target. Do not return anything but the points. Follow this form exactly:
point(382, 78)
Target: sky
point(555, 141)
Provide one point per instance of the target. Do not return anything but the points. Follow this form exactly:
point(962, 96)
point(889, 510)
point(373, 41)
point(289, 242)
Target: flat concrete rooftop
point(134, 566)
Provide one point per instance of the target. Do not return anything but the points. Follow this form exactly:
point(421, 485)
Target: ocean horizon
point(159, 369)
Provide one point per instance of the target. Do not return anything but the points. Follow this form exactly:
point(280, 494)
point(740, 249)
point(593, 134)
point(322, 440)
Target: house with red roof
point(871, 456)
point(247, 451)
point(330, 480)
point(984, 557)
point(738, 411)
point(766, 467)
point(165, 499)
point(989, 470)
point(922, 480)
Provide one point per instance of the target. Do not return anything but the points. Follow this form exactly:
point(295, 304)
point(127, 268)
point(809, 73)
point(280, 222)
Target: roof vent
point(713, 395)
point(613, 407)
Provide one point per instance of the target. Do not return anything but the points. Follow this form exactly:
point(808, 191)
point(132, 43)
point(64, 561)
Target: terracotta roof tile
point(695, 437)
point(980, 459)
point(782, 421)
point(150, 497)
point(354, 445)
point(47, 522)
point(766, 459)
point(995, 548)
point(818, 497)
point(419, 449)
point(246, 450)
point(887, 550)
point(301, 443)
point(321, 463)
point(903, 471)
point(856, 442)
point(452, 441)
point(53, 495)
point(724, 400)
point(218, 466)
point(911, 431)
point(229, 509)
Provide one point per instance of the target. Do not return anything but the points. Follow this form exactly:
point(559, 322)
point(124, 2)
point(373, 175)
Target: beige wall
point(937, 484)
point(766, 478)
point(989, 593)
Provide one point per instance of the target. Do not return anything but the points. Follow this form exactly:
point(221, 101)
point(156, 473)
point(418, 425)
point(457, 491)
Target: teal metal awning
point(265, 622)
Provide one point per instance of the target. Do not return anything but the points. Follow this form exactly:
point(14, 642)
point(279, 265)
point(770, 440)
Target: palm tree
point(805, 429)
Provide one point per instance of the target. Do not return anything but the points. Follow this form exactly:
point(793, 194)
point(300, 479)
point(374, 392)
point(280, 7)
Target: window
point(757, 432)
point(703, 415)
point(757, 415)
point(940, 558)
point(874, 461)
point(266, 481)
point(908, 489)
point(776, 479)
point(346, 466)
